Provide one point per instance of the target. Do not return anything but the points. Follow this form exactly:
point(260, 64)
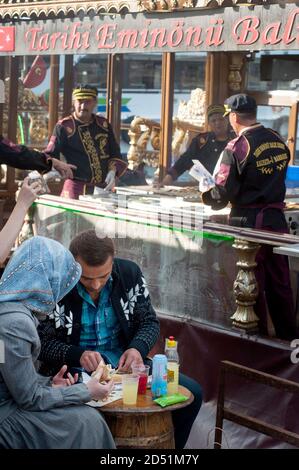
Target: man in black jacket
point(251, 176)
point(109, 316)
point(87, 141)
point(205, 147)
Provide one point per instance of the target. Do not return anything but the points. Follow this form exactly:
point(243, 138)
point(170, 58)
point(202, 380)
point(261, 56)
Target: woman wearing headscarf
point(36, 411)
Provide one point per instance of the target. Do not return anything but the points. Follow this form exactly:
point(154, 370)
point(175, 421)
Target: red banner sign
point(263, 28)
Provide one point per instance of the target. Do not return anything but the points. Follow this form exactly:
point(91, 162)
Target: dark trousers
point(273, 277)
point(185, 417)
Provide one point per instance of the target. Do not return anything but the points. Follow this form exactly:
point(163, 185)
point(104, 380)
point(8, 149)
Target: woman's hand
point(60, 381)
point(97, 390)
point(28, 192)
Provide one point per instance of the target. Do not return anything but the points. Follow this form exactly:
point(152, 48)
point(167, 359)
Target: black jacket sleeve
point(184, 163)
point(55, 352)
point(57, 142)
point(19, 156)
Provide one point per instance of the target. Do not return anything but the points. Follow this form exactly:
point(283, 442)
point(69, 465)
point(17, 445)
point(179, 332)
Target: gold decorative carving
point(183, 133)
point(193, 110)
point(235, 76)
point(188, 123)
point(33, 114)
point(245, 286)
point(230, 3)
point(140, 133)
point(168, 5)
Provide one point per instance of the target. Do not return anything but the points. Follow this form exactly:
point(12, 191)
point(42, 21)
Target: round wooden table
point(145, 425)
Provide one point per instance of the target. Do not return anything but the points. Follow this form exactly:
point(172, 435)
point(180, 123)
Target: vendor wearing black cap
point(205, 147)
point(87, 141)
point(251, 176)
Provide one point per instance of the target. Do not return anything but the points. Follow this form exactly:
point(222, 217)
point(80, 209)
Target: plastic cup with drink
point(142, 371)
point(130, 388)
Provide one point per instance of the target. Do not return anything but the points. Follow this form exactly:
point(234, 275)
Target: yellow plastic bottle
point(171, 353)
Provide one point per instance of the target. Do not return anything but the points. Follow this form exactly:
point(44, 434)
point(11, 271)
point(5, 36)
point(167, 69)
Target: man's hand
point(110, 180)
point(60, 381)
point(90, 360)
point(127, 358)
point(167, 181)
point(65, 169)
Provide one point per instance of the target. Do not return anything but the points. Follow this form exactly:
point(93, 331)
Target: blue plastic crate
point(292, 177)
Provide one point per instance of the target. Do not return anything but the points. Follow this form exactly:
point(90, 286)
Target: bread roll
point(105, 372)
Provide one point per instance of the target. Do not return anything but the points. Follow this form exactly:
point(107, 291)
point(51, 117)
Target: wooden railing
point(244, 419)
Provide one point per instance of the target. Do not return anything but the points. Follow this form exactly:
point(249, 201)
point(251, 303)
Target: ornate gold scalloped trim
point(170, 5)
point(230, 3)
point(36, 9)
point(41, 9)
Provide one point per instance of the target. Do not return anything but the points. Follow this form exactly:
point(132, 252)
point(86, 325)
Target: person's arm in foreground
point(21, 379)
point(10, 231)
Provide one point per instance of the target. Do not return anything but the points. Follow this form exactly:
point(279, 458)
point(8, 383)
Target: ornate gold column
point(235, 76)
point(245, 286)
point(134, 133)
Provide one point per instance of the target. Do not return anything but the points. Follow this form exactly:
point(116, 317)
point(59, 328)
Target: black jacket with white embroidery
point(60, 333)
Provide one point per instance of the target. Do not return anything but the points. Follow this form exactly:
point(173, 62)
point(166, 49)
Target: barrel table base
point(150, 431)
point(145, 425)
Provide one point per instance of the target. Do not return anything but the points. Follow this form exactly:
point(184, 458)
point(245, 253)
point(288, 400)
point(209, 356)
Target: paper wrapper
point(203, 176)
point(116, 394)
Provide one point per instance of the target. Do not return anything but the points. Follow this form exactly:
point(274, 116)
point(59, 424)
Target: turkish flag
point(7, 38)
point(36, 74)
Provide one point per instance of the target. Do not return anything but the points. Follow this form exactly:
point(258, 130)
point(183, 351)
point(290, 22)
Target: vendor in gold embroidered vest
point(87, 141)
